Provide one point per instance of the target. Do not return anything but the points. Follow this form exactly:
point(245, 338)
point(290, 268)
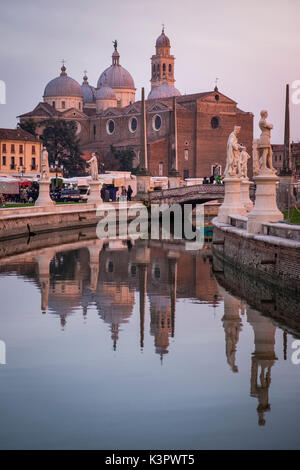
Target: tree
point(124, 157)
point(29, 126)
point(60, 139)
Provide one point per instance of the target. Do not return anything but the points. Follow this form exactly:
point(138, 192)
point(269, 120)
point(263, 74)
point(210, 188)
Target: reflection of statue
point(244, 163)
point(44, 165)
point(115, 43)
point(264, 143)
point(233, 154)
point(93, 162)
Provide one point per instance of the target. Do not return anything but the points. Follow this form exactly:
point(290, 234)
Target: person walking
point(129, 193)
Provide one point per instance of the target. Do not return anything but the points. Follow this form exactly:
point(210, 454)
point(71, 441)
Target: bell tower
point(162, 63)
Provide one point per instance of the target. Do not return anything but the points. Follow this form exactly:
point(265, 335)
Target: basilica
point(109, 114)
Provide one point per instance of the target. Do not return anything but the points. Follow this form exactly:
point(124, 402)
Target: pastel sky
point(251, 46)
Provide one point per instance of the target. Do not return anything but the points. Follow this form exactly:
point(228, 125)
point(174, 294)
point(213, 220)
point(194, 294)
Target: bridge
point(198, 193)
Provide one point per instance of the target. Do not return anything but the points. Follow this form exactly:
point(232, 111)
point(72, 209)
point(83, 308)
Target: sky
point(251, 46)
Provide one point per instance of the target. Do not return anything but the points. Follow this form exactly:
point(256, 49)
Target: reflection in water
point(232, 325)
point(263, 359)
point(114, 278)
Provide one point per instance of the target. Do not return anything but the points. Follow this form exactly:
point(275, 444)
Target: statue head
point(264, 114)
point(237, 129)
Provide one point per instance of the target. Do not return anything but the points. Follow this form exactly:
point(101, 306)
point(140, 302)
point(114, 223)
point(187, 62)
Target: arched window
point(164, 67)
point(170, 68)
point(215, 122)
point(94, 131)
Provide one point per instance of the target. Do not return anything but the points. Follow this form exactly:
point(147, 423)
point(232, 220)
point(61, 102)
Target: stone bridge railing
point(188, 193)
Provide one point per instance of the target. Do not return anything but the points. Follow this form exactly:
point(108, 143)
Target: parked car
point(70, 195)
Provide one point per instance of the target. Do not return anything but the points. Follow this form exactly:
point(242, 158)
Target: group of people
point(112, 193)
point(213, 180)
point(26, 195)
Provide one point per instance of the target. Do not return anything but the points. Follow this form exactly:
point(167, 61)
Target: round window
point(133, 124)
point(110, 126)
point(215, 122)
point(156, 122)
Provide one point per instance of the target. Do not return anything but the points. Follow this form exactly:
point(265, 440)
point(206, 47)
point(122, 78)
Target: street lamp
point(55, 167)
point(21, 170)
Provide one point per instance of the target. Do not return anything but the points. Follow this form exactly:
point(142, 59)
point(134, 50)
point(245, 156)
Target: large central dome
point(116, 75)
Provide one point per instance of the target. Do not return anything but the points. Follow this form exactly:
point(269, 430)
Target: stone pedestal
point(173, 182)
point(265, 207)
point(232, 202)
point(143, 186)
point(44, 198)
point(245, 197)
point(94, 196)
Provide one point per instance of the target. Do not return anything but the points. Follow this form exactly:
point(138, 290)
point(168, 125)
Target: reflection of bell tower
point(232, 325)
point(43, 260)
point(162, 63)
point(94, 251)
point(142, 261)
point(172, 261)
point(263, 358)
point(160, 323)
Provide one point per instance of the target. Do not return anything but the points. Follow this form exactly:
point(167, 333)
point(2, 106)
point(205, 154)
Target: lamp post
point(21, 170)
point(55, 167)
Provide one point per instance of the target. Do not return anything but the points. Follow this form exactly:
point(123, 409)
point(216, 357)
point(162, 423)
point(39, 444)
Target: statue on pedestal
point(234, 149)
point(45, 173)
point(93, 162)
point(244, 157)
point(264, 144)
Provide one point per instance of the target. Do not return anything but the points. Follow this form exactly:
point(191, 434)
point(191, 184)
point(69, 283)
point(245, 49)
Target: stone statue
point(93, 162)
point(233, 154)
point(45, 173)
point(244, 164)
point(115, 43)
point(255, 157)
point(264, 145)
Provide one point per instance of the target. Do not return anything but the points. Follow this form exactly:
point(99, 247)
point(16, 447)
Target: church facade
point(110, 115)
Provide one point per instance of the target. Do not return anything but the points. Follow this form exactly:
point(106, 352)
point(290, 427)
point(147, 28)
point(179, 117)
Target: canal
point(142, 345)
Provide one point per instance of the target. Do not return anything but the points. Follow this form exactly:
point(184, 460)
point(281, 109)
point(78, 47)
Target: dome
point(117, 77)
point(163, 91)
point(163, 40)
point(88, 91)
point(105, 93)
point(63, 86)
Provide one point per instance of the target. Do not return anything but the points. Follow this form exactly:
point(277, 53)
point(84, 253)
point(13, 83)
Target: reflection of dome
point(163, 40)
point(88, 92)
point(163, 91)
point(63, 86)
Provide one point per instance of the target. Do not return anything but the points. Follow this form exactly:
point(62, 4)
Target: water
point(113, 346)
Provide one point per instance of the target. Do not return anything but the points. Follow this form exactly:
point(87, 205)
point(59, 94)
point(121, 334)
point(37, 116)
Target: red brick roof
point(17, 134)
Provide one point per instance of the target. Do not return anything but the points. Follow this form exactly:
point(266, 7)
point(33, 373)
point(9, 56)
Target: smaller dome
point(163, 91)
point(88, 91)
point(105, 92)
point(163, 40)
point(63, 86)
